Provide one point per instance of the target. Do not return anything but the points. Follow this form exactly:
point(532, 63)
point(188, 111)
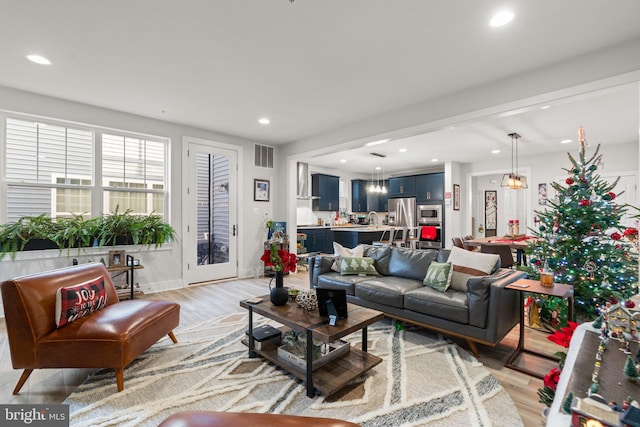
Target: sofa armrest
point(318, 265)
point(486, 296)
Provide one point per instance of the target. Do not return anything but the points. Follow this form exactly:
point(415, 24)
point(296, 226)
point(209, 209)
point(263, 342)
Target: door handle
point(234, 230)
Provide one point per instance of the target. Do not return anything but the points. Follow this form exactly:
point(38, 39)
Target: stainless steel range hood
point(304, 184)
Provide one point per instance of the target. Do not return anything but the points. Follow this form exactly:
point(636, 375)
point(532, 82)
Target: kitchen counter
point(361, 228)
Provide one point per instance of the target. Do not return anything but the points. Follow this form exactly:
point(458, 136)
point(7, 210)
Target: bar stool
point(414, 237)
point(386, 242)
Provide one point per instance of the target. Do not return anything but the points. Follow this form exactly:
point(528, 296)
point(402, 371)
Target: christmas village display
point(581, 239)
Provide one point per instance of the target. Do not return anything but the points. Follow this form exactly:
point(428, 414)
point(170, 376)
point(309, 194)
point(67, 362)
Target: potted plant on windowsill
point(27, 233)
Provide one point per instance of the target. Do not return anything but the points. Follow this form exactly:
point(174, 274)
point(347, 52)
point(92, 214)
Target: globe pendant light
point(514, 180)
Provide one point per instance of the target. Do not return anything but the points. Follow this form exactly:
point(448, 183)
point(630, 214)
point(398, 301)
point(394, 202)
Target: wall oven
point(429, 214)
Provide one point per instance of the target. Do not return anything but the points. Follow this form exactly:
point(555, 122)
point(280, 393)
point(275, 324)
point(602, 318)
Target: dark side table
point(524, 286)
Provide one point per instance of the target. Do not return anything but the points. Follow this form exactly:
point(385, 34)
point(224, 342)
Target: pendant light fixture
point(514, 180)
point(377, 184)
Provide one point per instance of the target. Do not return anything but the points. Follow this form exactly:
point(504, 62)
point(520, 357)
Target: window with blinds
point(133, 174)
point(49, 168)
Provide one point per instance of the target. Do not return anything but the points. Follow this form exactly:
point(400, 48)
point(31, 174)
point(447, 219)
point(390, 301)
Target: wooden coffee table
point(334, 375)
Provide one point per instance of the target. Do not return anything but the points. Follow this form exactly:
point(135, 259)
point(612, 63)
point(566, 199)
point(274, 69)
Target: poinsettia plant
point(280, 259)
point(561, 337)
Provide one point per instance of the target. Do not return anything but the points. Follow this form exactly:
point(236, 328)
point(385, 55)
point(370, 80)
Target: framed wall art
point(456, 197)
point(261, 188)
point(490, 213)
point(542, 194)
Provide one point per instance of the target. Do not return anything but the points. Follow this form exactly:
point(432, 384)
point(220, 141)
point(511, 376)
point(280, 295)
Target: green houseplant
point(16, 236)
point(77, 232)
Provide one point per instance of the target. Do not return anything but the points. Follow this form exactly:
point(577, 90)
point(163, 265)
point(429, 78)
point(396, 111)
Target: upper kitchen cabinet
point(359, 196)
point(430, 187)
point(326, 192)
point(379, 201)
point(402, 186)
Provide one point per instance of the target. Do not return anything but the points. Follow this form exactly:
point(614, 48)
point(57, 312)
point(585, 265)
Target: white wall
point(163, 268)
point(618, 159)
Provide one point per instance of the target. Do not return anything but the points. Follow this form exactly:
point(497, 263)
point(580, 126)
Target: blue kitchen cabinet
point(327, 189)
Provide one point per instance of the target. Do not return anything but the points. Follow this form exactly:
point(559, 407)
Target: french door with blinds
point(209, 206)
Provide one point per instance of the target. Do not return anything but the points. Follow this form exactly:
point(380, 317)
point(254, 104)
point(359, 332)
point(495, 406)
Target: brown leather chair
point(111, 337)
point(234, 419)
point(506, 257)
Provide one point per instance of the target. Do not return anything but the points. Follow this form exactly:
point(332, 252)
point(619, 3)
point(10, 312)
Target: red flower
point(616, 236)
point(631, 231)
point(280, 259)
point(563, 336)
point(551, 379)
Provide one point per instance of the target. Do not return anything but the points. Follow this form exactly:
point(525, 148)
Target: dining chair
point(457, 241)
point(506, 256)
point(468, 247)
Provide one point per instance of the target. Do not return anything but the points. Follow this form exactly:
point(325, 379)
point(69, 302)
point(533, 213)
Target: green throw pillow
point(357, 265)
point(438, 276)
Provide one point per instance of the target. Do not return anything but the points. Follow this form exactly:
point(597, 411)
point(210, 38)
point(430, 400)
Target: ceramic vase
point(278, 295)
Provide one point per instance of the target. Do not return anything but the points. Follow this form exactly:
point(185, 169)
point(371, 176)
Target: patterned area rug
point(423, 380)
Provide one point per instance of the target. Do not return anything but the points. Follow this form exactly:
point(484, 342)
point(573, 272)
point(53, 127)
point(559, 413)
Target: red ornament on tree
point(569, 181)
point(630, 304)
point(584, 202)
point(612, 195)
point(616, 236)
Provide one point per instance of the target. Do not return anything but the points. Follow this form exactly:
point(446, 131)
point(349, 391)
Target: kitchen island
point(320, 238)
point(353, 236)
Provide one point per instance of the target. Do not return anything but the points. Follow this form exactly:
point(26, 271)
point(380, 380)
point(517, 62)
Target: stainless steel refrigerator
point(402, 212)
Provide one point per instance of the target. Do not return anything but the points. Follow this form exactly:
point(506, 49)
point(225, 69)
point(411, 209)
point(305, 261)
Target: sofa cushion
point(380, 255)
point(76, 301)
point(411, 263)
point(340, 251)
point(438, 276)
point(357, 265)
point(321, 265)
point(468, 264)
point(387, 290)
point(333, 280)
point(450, 305)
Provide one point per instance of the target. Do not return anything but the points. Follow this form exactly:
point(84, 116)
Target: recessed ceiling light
point(565, 141)
point(382, 141)
point(495, 151)
point(434, 160)
point(38, 59)
point(452, 127)
point(343, 161)
point(403, 150)
point(378, 168)
point(545, 107)
point(501, 18)
point(264, 121)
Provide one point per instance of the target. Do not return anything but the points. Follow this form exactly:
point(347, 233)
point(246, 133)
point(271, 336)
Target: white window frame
point(97, 190)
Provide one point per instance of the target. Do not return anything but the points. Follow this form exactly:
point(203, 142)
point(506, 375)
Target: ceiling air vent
point(263, 156)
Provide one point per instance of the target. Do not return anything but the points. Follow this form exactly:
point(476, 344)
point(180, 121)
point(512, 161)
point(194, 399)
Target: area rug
point(423, 380)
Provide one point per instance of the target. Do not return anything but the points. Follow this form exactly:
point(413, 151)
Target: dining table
point(519, 244)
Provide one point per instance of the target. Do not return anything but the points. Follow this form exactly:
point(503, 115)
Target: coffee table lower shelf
point(334, 375)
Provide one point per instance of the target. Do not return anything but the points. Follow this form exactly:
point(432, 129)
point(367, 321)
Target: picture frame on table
point(261, 189)
point(456, 197)
point(116, 258)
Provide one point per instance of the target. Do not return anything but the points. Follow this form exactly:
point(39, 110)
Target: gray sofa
point(484, 314)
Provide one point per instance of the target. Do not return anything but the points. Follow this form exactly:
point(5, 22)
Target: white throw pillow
point(339, 250)
point(469, 264)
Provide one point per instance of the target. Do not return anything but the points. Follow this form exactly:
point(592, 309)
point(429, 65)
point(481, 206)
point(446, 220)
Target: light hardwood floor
point(203, 302)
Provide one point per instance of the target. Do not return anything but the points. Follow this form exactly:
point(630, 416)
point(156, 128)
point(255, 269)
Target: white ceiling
point(316, 65)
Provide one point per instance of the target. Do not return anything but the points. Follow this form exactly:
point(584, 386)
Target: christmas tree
point(581, 238)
